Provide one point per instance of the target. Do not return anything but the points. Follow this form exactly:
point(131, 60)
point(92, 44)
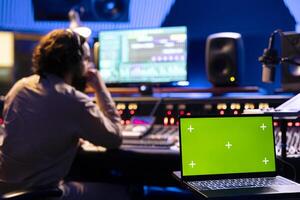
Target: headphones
point(80, 41)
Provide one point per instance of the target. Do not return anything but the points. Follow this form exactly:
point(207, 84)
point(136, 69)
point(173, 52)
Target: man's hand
point(94, 78)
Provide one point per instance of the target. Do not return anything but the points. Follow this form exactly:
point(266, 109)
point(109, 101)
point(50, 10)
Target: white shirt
point(44, 119)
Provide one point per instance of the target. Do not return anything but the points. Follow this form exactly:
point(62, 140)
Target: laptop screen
point(227, 145)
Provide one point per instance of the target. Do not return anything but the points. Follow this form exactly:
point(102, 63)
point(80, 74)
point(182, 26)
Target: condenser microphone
point(268, 73)
point(269, 60)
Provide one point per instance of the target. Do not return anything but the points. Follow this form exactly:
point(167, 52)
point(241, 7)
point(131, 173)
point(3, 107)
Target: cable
point(155, 107)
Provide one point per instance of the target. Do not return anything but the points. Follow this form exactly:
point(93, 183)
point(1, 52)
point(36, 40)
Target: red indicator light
point(188, 113)
point(235, 112)
point(275, 123)
point(127, 121)
point(222, 112)
point(132, 112)
point(181, 112)
point(289, 124)
point(169, 112)
point(297, 123)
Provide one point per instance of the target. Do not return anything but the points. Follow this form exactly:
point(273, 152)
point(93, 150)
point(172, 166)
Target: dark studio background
point(254, 19)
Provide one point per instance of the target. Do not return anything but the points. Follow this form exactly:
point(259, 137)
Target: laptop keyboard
point(239, 183)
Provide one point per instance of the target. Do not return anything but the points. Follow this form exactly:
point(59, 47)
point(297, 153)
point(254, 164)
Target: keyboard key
point(239, 183)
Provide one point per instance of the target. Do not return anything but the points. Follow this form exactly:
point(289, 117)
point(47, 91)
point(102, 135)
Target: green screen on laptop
point(227, 145)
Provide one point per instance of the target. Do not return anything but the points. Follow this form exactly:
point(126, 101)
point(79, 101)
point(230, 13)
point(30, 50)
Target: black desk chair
point(33, 194)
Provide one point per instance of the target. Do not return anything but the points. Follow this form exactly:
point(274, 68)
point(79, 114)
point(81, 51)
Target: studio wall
point(254, 19)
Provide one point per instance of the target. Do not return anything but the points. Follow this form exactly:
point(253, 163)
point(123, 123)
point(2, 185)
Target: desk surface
point(135, 166)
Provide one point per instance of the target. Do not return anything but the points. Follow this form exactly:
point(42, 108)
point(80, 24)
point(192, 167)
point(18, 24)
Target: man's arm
point(101, 123)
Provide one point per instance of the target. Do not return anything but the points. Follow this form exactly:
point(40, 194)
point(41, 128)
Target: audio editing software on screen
point(143, 56)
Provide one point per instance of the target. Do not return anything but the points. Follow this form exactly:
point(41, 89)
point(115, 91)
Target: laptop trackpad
point(239, 192)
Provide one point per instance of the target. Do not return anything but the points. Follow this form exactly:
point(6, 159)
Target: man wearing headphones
point(46, 114)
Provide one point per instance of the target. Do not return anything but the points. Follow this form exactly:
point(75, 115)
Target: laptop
point(231, 157)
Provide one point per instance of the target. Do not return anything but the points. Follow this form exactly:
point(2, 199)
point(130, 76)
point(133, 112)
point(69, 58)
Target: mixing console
point(170, 108)
point(164, 132)
point(159, 137)
point(156, 151)
point(163, 137)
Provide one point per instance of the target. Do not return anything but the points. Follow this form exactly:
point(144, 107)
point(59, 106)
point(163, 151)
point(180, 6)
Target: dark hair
point(59, 52)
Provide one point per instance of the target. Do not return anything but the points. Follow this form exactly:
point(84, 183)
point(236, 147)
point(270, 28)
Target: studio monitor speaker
point(224, 57)
point(290, 50)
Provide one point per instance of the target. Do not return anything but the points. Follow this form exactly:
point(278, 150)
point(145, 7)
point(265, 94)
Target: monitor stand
point(146, 90)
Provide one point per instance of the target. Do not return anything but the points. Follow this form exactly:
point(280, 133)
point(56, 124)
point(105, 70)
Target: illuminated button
point(232, 79)
point(188, 114)
point(172, 121)
point(222, 112)
point(275, 123)
point(221, 106)
point(290, 124)
point(132, 106)
point(235, 112)
point(235, 106)
point(249, 106)
point(169, 112)
point(263, 105)
point(297, 124)
point(166, 120)
point(127, 121)
point(181, 112)
point(122, 122)
point(121, 106)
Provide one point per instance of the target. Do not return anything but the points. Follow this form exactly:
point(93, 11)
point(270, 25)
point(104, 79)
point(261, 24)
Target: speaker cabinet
point(224, 57)
point(290, 49)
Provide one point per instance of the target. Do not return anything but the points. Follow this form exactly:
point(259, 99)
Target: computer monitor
point(144, 56)
point(7, 61)
point(6, 49)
